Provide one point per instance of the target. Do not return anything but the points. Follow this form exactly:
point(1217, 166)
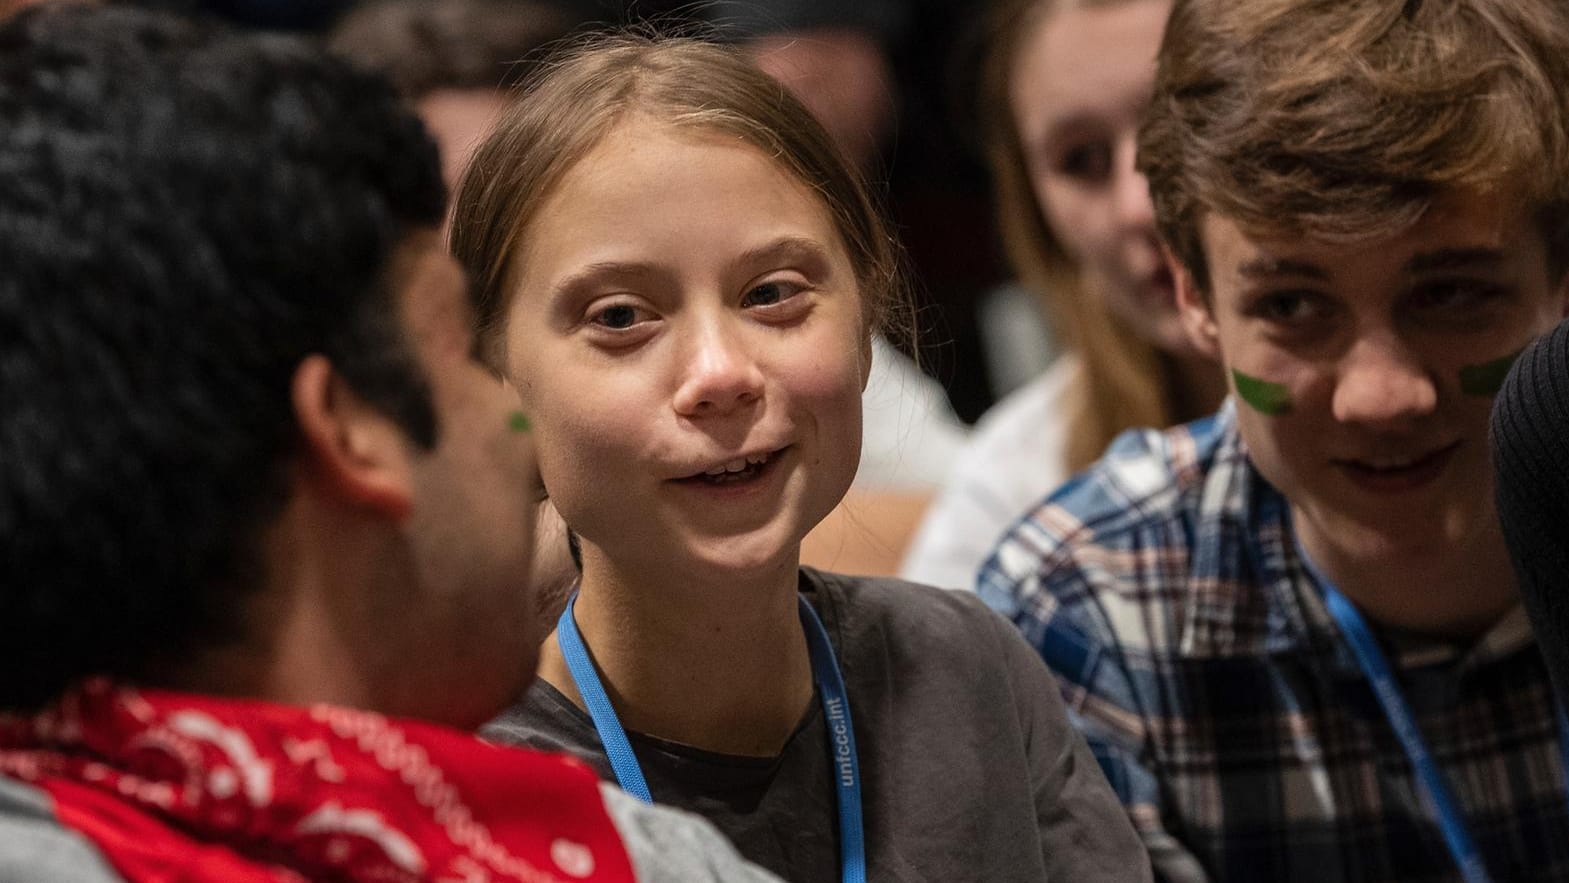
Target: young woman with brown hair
point(681, 276)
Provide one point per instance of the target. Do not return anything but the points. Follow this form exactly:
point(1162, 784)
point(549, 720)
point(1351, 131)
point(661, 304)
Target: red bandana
point(173, 787)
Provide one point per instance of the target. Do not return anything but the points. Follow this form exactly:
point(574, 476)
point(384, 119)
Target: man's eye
point(1288, 307)
point(1458, 294)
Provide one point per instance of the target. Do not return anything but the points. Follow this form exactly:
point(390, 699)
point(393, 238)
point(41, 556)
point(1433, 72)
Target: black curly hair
point(185, 214)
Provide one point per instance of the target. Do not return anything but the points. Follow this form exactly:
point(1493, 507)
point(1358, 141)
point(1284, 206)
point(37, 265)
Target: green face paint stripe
point(1267, 398)
point(1487, 378)
point(518, 422)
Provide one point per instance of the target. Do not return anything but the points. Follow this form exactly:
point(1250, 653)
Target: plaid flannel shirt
point(1164, 588)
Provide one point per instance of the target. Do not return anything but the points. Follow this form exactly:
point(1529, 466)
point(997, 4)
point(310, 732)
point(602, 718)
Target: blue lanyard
point(1364, 646)
point(836, 715)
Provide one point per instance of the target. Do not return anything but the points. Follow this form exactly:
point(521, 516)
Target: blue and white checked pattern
point(1196, 656)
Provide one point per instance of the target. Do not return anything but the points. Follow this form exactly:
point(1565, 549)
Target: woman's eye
point(617, 317)
point(1089, 163)
point(769, 293)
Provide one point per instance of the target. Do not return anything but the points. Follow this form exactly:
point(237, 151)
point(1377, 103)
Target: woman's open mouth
point(737, 471)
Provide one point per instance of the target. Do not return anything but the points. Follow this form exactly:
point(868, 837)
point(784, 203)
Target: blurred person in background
point(455, 60)
point(1064, 90)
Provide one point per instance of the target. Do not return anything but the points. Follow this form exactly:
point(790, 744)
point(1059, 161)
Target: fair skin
point(867, 534)
point(686, 307)
point(1383, 454)
point(1079, 85)
point(458, 120)
point(842, 76)
point(397, 575)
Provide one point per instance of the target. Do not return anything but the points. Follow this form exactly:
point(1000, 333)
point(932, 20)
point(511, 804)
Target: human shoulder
point(865, 601)
point(670, 846)
point(1028, 418)
point(1119, 537)
point(910, 434)
point(36, 848)
point(1146, 477)
point(544, 719)
point(1014, 457)
point(930, 630)
point(1016, 454)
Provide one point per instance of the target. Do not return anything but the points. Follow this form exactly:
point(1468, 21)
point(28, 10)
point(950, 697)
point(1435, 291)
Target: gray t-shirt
point(665, 846)
point(35, 848)
point(971, 770)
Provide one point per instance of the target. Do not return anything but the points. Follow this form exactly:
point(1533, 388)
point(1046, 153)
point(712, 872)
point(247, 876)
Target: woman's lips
point(725, 480)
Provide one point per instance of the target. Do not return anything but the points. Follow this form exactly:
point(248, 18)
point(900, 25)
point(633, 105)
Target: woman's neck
point(721, 666)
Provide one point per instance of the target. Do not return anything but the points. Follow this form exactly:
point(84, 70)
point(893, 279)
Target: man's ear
point(1198, 318)
point(348, 449)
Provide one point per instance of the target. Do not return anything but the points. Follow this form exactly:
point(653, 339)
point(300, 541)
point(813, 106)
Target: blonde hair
point(589, 87)
point(1125, 380)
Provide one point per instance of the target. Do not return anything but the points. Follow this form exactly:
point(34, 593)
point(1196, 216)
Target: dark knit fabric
point(1531, 460)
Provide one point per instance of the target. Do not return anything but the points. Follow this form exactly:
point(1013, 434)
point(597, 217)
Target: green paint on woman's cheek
point(1487, 378)
point(1269, 399)
point(517, 421)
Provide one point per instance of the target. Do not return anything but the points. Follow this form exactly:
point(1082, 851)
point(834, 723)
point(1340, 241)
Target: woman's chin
point(748, 556)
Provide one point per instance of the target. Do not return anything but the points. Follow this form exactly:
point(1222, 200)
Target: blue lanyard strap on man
point(836, 717)
point(1430, 779)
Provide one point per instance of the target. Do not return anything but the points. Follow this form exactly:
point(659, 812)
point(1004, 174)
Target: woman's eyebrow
point(600, 271)
point(785, 250)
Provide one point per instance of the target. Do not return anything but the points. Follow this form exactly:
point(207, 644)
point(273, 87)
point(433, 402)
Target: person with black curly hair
point(265, 516)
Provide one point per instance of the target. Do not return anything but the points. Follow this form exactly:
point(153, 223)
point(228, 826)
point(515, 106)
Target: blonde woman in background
point(1064, 88)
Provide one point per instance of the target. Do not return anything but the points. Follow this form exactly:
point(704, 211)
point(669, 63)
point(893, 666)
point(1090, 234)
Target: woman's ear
point(349, 450)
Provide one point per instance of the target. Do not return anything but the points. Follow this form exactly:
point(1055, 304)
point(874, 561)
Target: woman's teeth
point(737, 465)
point(738, 469)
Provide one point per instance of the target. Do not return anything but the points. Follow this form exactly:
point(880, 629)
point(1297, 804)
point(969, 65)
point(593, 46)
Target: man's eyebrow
point(1263, 268)
point(1476, 257)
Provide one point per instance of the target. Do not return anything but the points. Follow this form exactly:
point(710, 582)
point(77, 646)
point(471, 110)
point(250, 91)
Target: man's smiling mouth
point(1398, 472)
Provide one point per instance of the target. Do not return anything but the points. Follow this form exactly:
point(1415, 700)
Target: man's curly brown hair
point(1343, 120)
